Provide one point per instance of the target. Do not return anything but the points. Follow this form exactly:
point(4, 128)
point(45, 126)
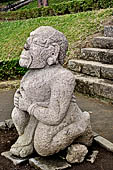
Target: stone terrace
point(94, 68)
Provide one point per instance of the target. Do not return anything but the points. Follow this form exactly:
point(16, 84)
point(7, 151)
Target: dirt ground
point(104, 159)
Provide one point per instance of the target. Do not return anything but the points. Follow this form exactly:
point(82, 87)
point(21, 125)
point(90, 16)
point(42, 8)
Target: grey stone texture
point(93, 157)
point(46, 115)
point(92, 68)
point(49, 163)
point(108, 31)
point(2, 125)
point(15, 160)
point(94, 86)
point(103, 42)
point(96, 54)
point(104, 143)
point(76, 153)
point(9, 123)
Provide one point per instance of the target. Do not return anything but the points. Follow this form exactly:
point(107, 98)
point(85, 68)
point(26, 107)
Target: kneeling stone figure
point(46, 115)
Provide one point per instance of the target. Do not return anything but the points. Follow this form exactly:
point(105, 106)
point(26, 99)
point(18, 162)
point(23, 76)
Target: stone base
point(13, 158)
point(49, 163)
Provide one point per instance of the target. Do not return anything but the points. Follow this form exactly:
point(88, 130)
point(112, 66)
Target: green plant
point(10, 69)
point(54, 9)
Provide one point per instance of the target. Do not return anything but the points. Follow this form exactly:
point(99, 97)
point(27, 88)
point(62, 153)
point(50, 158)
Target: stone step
point(96, 54)
point(94, 86)
point(108, 31)
point(103, 42)
point(95, 69)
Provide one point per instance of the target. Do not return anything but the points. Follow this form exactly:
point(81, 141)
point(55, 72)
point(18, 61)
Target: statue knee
point(20, 120)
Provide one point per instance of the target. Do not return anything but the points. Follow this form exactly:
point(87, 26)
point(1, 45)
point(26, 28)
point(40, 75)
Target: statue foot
point(22, 151)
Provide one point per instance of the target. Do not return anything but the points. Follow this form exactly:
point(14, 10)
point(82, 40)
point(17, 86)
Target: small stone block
point(49, 163)
point(104, 143)
point(9, 123)
point(2, 125)
point(14, 159)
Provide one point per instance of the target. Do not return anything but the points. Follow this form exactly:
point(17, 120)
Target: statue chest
point(36, 87)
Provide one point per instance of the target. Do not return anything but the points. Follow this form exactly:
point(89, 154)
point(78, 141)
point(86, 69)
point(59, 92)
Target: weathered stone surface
point(14, 159)
point(76, 153)
point(94, 86)
point(103, 42)
point(49, 163)
point(46, 115)
point(86, 67)
point(96, 69)
point(74, 65)
point(96, 54)
point(104, 143)
point(107, 71)
point(2, 125)
point(104, 88)
point(93, 157)
point(9, 123)
point(108, 31)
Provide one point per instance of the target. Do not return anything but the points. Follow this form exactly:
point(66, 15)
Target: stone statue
point(46, 115)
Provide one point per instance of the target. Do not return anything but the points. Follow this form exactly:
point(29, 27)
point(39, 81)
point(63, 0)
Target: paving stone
point(107, 72)
point(103, 42)
point(14, 159)
point(75, 66)
point(104, 143)
point(104, 89)
point(108, 31)
point(94, 86)
point(96, 69)
point(96, 54)
point(2, 125)
point(49, 163)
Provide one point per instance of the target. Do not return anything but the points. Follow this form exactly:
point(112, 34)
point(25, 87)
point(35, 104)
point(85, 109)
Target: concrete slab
point(14, 159)
point(49, 163)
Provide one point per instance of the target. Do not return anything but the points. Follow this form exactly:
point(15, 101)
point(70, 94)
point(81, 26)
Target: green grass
point(75, 26)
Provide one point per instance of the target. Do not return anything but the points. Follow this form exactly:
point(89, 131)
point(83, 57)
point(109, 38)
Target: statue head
point(45, 46)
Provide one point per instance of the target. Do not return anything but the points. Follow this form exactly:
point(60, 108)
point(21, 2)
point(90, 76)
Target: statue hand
point(16, 98)
point(24, 103)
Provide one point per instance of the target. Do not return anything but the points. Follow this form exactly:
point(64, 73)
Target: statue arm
point(61, 94)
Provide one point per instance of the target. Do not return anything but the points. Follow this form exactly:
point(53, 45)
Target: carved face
point(45, 46)
point(31, 56)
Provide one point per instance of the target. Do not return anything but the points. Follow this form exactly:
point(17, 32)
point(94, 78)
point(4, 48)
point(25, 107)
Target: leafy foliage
point(10, 69)
point(68, 7)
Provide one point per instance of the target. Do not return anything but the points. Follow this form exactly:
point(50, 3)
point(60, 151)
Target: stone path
point(101, 112)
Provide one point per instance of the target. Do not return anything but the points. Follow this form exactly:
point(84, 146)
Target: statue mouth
point(24, 57)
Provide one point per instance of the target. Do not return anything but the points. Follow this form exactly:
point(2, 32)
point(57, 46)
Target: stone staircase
point(94, 69)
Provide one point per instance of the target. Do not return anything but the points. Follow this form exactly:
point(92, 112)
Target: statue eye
point(26, 46)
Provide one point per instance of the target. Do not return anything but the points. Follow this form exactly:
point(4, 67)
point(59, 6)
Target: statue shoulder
point(66, 75)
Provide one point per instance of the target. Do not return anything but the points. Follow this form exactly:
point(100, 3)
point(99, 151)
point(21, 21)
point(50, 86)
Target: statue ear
point(53, 59)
